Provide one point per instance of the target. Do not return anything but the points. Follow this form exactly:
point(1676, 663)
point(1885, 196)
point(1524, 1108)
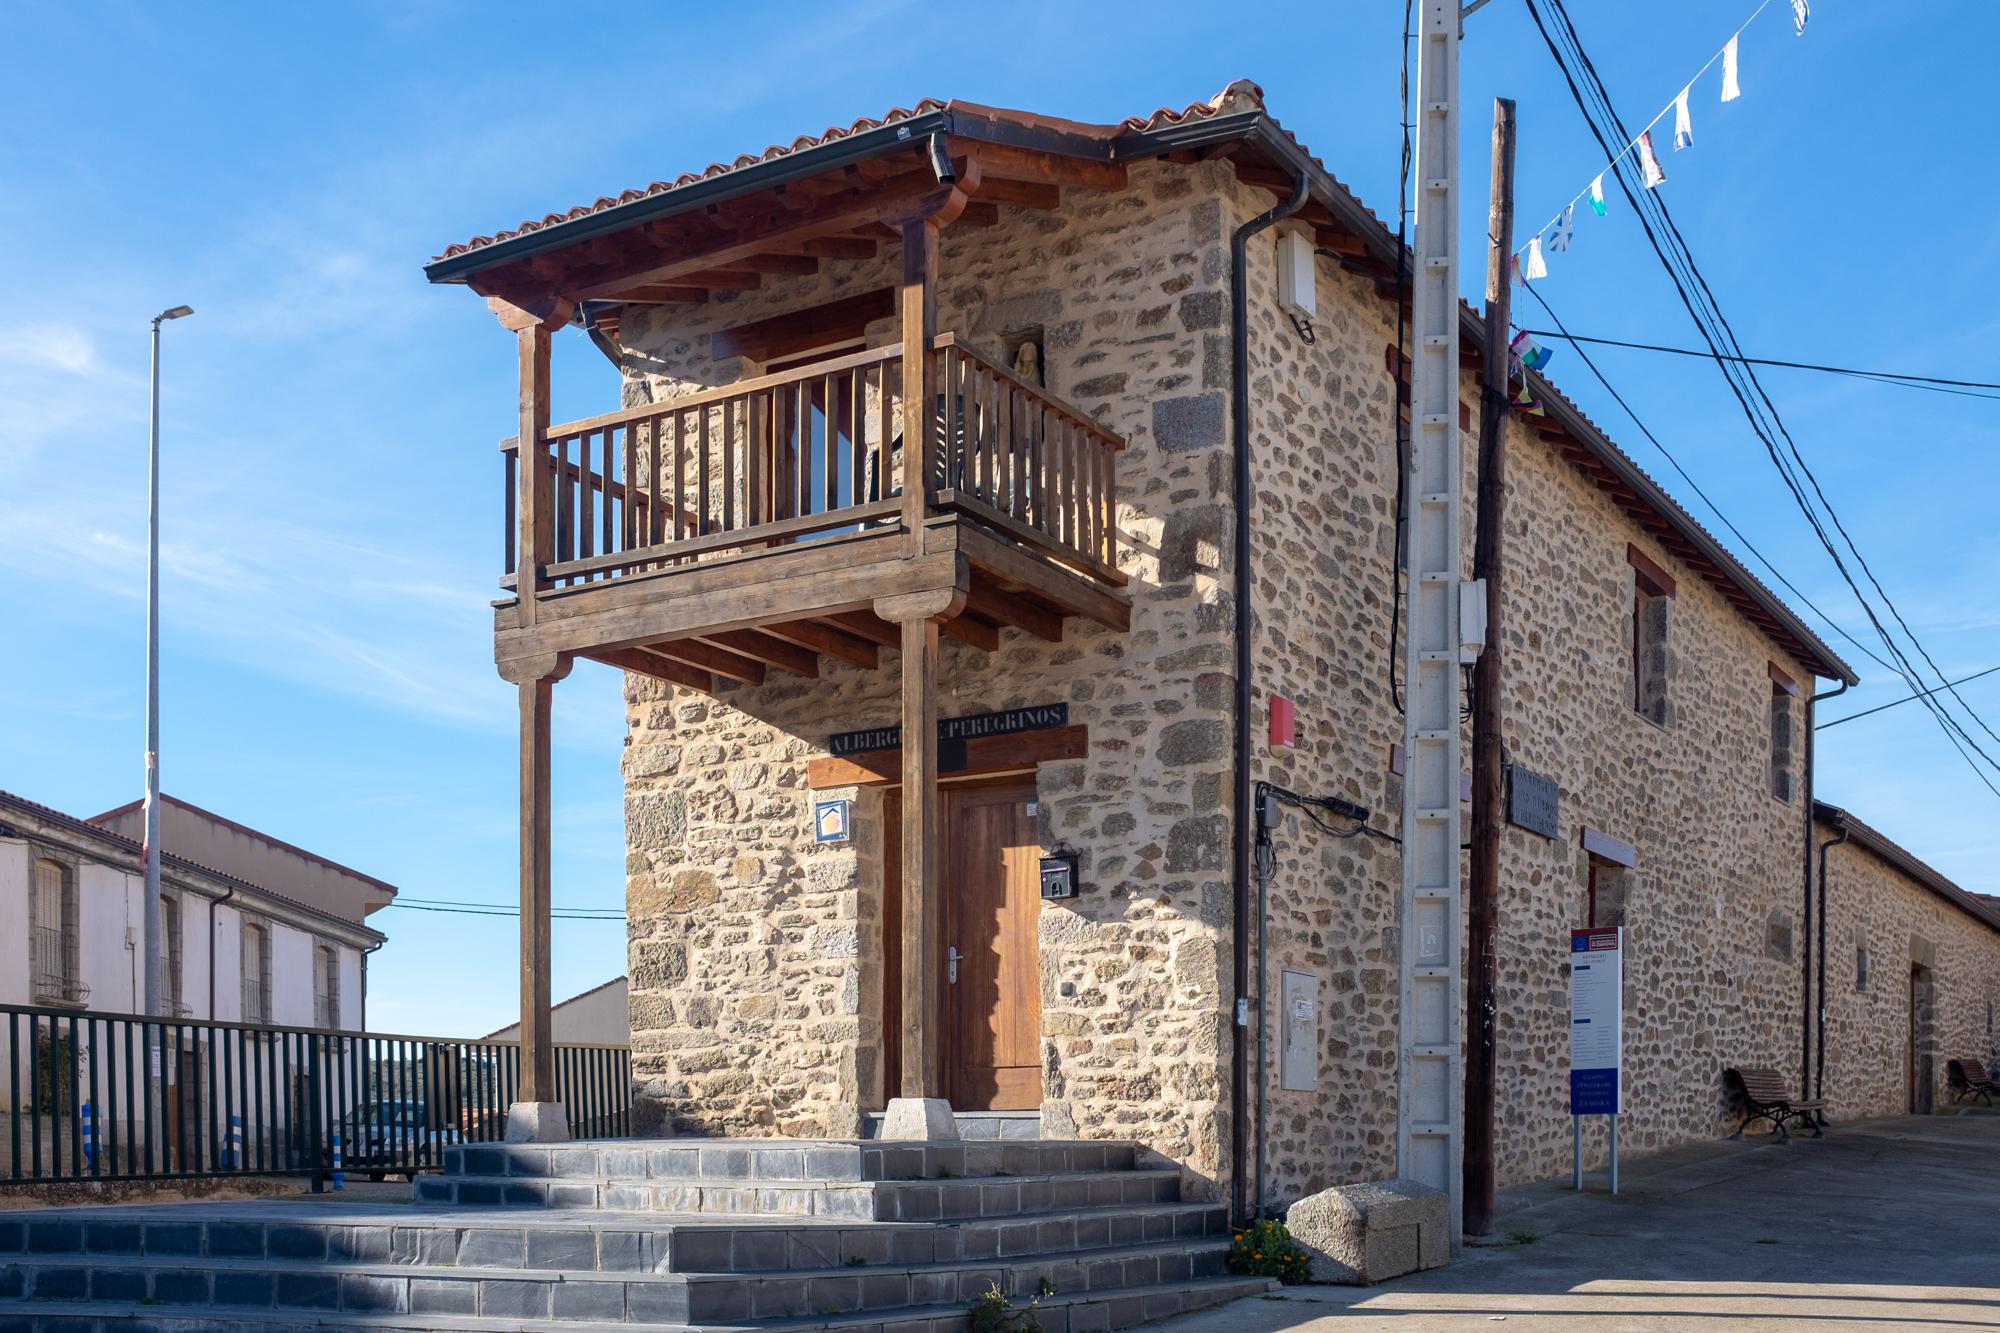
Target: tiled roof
point(48, 814)
point(249, 832)
point(1230, 99)
point(1983, 906)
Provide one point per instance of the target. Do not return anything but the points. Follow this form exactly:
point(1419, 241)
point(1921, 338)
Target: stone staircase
point(750, 1235)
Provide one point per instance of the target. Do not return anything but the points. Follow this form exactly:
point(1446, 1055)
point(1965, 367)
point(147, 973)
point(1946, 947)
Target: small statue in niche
point(1028, 361)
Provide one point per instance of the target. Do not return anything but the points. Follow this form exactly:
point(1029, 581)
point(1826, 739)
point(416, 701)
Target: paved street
point(1893, 1224)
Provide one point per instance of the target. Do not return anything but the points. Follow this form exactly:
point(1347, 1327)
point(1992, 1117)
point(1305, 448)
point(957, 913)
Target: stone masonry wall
point(1719, 860)
point(756, 957)
point(1901, 924)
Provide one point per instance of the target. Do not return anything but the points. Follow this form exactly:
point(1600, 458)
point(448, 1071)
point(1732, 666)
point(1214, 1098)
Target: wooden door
point(992, 901)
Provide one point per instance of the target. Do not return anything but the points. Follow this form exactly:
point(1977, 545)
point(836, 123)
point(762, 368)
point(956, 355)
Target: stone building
point(824, 918)
point(1912, 973)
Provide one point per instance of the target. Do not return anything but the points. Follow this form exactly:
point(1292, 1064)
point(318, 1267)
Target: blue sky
point(332, 486)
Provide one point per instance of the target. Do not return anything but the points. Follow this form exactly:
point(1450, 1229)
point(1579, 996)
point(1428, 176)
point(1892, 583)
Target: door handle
point(952, 955)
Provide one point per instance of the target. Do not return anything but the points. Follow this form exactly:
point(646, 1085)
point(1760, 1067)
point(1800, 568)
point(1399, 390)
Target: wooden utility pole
point(1488, 767)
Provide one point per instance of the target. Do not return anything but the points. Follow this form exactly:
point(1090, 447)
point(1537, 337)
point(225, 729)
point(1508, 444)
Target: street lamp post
point(152, 844)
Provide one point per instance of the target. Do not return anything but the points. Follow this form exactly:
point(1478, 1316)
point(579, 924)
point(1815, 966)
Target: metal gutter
point(695, 194)
point(1874, 840)
point(1257, 128)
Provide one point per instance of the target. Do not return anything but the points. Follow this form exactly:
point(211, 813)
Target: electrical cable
point(499, 909)
point(1716, 331)
point(1727, 335)
point(1897, 703)
point(1885, 376)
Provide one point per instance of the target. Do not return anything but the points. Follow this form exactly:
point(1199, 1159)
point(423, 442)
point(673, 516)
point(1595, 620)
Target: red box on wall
point(1284, 723)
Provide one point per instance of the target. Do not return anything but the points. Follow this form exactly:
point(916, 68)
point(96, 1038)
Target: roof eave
point(696, 194)
point(1871, 839)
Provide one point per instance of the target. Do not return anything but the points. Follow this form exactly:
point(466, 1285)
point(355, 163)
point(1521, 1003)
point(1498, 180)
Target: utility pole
point(1429, 1145)
point(1488, 763)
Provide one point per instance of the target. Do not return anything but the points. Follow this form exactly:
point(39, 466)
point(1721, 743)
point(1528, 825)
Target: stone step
point(920, 1199)
point(673, 1299)
point(742, 1160)
point(1076, 1312)
point(588, 1242)
point(1012, 1125)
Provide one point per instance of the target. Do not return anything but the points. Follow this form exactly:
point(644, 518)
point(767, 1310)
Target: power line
point(1908, 698)
point(1699, 298)
point(501, 909)
point(1932, 382)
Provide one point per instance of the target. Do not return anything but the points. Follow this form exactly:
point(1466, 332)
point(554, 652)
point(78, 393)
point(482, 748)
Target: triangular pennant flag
point(1683, 123)
point(1801, 11)
point(1565, 228)
point(1730, 89)
point(1534, 266)
point(1597, 196)
point(1516, 265)
point(1649, 161)
point(1531, 354)
point(1527, 404)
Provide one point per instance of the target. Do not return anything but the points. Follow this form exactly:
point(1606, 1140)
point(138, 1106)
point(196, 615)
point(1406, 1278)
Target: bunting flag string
point(1555, 236)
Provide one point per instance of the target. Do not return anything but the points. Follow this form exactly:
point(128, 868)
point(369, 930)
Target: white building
point(253, 929)
point(600, 1016)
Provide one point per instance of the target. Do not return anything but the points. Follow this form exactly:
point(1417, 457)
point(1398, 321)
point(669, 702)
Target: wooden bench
point(1968, 1078)
point(1765, 1097)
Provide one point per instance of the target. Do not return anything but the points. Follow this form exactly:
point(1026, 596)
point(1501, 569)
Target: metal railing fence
point(105, 1096)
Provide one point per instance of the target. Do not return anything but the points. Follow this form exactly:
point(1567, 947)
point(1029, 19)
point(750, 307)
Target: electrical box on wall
point(1284, 723)
point(1297, 292)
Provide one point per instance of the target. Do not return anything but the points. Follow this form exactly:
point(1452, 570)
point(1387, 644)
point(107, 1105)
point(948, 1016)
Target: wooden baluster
point(803, 400)
point(756, 421)
point(885, 477)
point(830, 415)
point(857, 435)
point(679, 500)
point(1040, 466)
point(731, 505)
point(1071, 507)
point(586, 502)
point(996, 396)
point(701, 527)
point(628, 510)
point(605, 482)
point(510, 498)
point(1107, 465)
point(1013, 503)
point(565, 504)
point(655, 519)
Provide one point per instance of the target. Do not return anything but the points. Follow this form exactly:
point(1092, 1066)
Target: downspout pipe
point(1819, 1077)
point(1807, 1023)
point(214, 903)
point(1814, 1024)
point(1239, 403)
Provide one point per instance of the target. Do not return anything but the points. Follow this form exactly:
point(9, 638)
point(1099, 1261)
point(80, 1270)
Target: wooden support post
point(918, 616)
point(534, 543)
point(537, 1059)
point(534, 1114)
point(1488, 763)
point(919, 316)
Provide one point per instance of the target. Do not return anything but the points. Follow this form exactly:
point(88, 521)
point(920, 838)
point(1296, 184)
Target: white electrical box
point(1296, 288)
point(1471, 619)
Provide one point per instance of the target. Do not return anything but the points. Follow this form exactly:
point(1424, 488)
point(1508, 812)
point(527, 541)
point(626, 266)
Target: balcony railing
point(814, 451)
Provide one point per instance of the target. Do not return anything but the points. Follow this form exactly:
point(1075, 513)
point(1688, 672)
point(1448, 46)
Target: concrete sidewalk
point(1891, 1224)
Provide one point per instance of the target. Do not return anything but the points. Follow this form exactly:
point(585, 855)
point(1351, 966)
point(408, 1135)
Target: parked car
point(381, 1137)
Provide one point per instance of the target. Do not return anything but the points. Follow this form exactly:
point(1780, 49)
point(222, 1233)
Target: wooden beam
point(797, 330)
point(1340, 242)
point(722, 279)
point(970, 629)
point(769, 650)
point(659, 668)
point(839, 247)
point(1010, 608)
point(660, 294)
point(1021, 194)
point(712, 245)
point(719, 660)
point(822, 638)
point(535, 514)
point(1006, 162)
point(978, 214)
point(793, 265)
point(983, 754)
point(867, 625)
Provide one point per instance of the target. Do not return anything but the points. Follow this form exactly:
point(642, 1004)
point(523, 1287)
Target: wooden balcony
point(756, 526)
